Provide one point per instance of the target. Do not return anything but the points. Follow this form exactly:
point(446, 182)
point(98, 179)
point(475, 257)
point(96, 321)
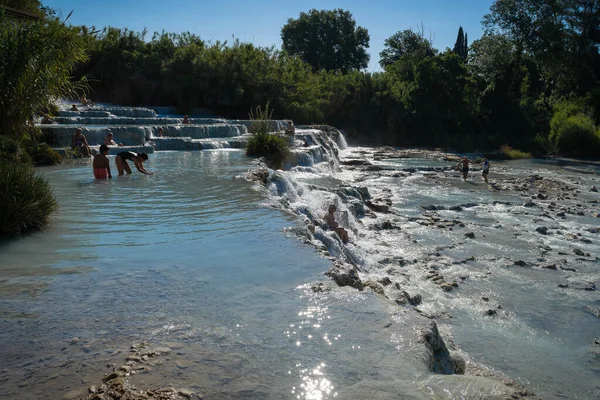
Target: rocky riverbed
point(431, 244)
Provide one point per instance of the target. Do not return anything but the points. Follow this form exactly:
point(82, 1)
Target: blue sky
point(260, 21)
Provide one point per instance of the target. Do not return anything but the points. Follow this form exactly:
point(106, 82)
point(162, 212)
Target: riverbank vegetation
point(26, 198)
point(37, 56)
point(535, 58)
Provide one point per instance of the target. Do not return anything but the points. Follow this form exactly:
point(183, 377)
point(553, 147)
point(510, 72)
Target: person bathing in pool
point(101, 165)
point(137, 158)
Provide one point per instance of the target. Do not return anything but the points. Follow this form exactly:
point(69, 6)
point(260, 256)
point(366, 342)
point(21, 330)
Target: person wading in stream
point(464, 166)
point(137, 158)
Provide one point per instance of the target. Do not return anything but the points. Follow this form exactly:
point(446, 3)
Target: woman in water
point(79, 144)
point(137, 158)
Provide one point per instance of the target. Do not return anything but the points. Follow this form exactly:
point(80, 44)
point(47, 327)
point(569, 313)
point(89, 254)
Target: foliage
point(36, 62)
point(534, 52)
point(265, 143)
point(509, 153)
point(12, 152)
point(328, 40)
point(41, 153)
point(572, 131)
point(490, 56)
point(26, 199)
point(30, 6)
point(461, 47)
point(405, 43)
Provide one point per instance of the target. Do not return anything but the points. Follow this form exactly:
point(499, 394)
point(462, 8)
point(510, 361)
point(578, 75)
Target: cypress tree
point(461, 46)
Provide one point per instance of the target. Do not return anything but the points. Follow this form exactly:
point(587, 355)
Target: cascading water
point(479, 257)
point(190, 259)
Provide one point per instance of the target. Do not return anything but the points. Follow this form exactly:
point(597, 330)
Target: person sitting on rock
point(161, 132)
point(333, 224)
point(74, 108)
point(87, 102)
point(290, 129)
point(109, 141)
point(186, 120)
point(46, 120)
point(79, 144)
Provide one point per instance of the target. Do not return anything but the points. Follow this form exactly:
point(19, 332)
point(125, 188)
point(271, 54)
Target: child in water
point(101, 164)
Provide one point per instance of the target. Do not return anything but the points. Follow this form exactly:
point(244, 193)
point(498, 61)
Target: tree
point(36, 63)
point(406, 42)
point(327, 40)
point(490, 56)
point(461, 47)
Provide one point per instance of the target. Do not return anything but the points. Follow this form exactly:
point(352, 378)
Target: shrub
point(12, 152)
point(26, 199)
point(574, 134)
point(263, 143)
point(41, 153)
point(509, 153)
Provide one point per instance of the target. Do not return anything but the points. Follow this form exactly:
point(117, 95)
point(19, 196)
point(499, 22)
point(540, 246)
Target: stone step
point(138, 112)
point(60, 135)
point(112, 120)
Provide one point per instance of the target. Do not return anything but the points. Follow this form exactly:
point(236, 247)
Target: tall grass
point(264, 143)
point(513, 154)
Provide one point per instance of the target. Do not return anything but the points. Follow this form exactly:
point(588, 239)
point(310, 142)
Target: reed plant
point(273, 146)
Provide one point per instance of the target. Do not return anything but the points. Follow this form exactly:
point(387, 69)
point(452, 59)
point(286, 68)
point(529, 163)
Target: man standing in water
point(464, 165)
point(101, 165)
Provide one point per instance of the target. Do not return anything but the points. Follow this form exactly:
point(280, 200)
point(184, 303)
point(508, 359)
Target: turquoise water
point(190, 257)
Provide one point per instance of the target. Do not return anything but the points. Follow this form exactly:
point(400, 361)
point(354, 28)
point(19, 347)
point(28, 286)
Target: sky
point(260, 21)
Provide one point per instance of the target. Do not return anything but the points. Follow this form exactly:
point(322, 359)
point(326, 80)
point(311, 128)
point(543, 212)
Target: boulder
point(440, 360)
point(345, 275)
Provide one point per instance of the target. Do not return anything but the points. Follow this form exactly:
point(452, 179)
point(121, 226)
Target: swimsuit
point(127, 155)
point(465, 169)
point(100, 173)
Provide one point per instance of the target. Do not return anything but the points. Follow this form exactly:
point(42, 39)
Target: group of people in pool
point(100, 164)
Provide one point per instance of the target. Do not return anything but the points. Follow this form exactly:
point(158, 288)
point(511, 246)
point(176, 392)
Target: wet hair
point(79, 130)
point(143, 155)
point(103, 148)
point(332, 207)
point(109, 133)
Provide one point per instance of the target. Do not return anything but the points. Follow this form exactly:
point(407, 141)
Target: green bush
point(12, 152)
point(272, 146)
point(26, 199)
point(41, 153)
point(573, 133)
